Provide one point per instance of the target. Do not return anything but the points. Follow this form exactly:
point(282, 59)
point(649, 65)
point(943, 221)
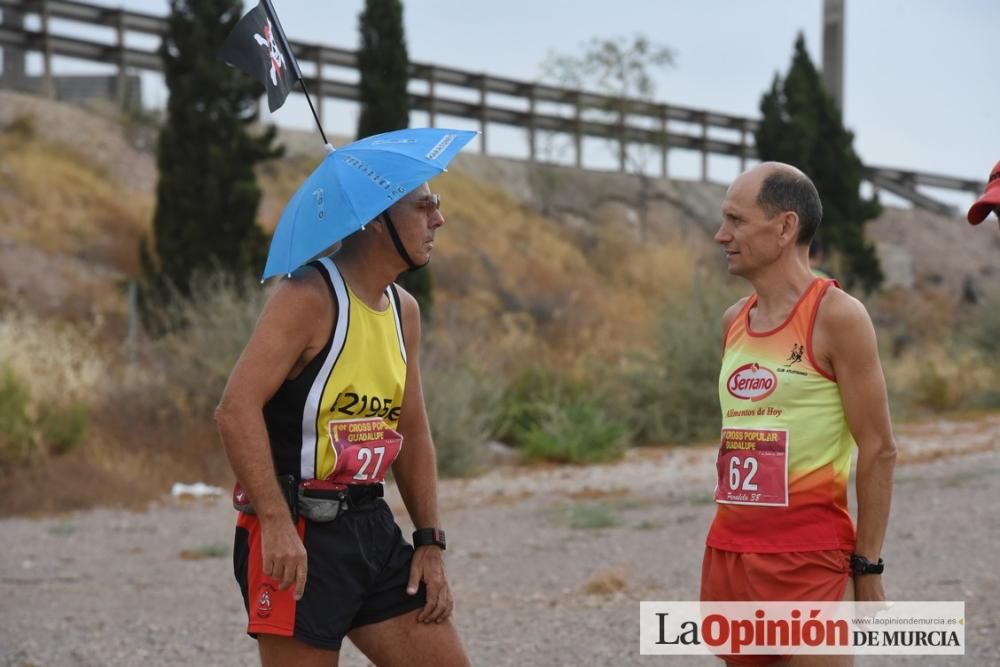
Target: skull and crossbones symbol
point(277, 57)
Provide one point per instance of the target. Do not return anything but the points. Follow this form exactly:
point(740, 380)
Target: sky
point(920, 78)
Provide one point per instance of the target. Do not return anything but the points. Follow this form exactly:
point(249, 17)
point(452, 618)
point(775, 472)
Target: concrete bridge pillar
point(14, 75)
point(833, 50)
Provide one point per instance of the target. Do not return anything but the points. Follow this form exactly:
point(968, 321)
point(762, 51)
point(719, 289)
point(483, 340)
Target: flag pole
point(295, 64)
point(313, 109)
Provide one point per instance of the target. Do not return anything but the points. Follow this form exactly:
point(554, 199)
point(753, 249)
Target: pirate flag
point(258, 47)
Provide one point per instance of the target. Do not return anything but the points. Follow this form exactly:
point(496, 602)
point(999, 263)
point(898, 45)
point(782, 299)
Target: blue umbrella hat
point(353, 185)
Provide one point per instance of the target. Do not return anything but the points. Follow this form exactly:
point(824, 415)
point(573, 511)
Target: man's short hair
point(785, 190)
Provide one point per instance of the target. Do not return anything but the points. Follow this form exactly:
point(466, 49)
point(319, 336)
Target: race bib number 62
point(753, 467)
point(365, 449)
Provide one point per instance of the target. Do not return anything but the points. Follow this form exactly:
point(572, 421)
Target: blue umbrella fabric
point(352, 185)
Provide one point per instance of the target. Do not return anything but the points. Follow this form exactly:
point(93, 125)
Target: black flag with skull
point(258, 47)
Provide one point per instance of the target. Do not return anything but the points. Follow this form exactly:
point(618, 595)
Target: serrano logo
point(752, 382)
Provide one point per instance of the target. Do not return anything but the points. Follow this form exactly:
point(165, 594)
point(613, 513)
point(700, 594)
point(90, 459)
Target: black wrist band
point(425, 537)
point(861, 565)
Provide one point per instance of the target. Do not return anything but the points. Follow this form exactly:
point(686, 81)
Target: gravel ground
point(548, 565)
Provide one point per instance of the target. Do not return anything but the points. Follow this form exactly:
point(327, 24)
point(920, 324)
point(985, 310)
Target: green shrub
point(577, 432)
point(16, 433)
point(524, 402)
point(988, 399)
point(554, 417)
point(984, 331)
point(27, 431)
point(933, 390)
point(63, 428)
point(203, 337)
point(62, 529)
point(461, 407)
point(673, 387)
point(593, 516)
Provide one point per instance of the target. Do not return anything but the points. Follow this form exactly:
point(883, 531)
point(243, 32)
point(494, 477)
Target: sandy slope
point(534, 586)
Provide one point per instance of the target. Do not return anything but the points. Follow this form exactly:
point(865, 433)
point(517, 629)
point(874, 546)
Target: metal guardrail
point(654, 128)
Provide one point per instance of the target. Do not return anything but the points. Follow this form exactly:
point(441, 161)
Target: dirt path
point(548, 566)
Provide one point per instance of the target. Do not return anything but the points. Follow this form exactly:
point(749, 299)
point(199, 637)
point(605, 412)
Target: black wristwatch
point(861, 565)
point(425, 537)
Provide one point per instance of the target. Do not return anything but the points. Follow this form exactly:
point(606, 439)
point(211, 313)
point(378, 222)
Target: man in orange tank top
point(801, 383)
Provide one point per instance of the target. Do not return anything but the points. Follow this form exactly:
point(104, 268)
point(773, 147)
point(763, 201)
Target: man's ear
point(789, 231)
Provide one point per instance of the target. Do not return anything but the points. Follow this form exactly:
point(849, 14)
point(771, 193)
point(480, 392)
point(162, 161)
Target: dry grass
point(935, 379)
point(215, 550)
point(60, 361)
point(279, 180)
point(608, 581)
point(461, 407)
point(907, 319)
point(122, 462)
point(60, 202)
point(507, 274)
point(138, 440)
point(502, 499)
point(588, 493)
point(521, 288)
point(938, 454)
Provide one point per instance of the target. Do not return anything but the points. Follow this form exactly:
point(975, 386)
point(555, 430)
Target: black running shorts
point(358, 568)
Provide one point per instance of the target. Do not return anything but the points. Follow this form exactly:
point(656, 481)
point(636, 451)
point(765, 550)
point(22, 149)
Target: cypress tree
point(385, 68)
point(207, 195)
point(802, 125)
point(385, 103)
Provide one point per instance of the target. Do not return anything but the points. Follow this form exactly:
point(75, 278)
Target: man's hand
point(428, 566)
point(869, 588)
point(283, 555)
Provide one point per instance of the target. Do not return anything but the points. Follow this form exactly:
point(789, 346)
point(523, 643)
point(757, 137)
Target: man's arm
point(285, 335)
point(845, 338)
point(416, 474)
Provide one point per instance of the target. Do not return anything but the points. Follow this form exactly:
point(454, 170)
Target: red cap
point(989, 200)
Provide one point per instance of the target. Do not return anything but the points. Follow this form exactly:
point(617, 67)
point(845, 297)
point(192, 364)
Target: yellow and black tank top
point(785, 452)
point(359, 373)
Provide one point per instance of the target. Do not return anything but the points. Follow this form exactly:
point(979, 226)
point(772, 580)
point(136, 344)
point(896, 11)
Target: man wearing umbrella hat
point(324, 399)
point(990, 201)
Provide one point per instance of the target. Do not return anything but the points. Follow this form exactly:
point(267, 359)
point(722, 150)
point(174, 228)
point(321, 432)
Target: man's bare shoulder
point(303, 283)
point(411, 318)
point(843, 328)
point(299, 298)
point(408, 303)
point(839, 310)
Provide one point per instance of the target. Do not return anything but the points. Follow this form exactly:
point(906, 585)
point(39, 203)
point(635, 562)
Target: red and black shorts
point(358, 568)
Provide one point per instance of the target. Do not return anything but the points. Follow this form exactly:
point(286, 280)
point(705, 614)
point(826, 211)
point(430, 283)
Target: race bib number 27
point(753, 467)
point(365, 449)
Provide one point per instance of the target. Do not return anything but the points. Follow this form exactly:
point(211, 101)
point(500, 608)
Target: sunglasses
point(430, 203)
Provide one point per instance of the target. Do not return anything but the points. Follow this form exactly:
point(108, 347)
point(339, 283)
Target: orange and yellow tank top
point(785, 451)
point(347, 392)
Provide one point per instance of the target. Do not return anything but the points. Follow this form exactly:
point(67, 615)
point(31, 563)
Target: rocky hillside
point(77, 190)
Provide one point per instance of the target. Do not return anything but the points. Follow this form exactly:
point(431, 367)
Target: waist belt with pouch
point(316, 500)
